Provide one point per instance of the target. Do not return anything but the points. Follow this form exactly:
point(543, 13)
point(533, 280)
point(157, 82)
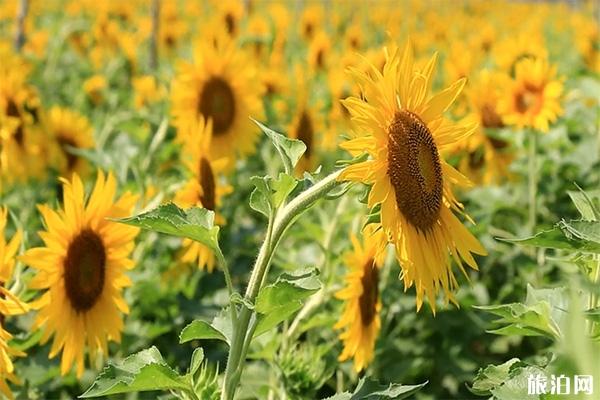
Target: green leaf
point(491, 377)
point(195, 223)
point(555, 239)
point(199, 329)
point(290, 150)
point(278, 301)
point(373, 390)
point(587, 203)
point(588, 231)
point(196, 362)
point(270, 193)
point(140, 372)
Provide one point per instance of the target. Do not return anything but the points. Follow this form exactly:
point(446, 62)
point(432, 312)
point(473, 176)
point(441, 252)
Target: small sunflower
point(362, 303)
point(204, 189)
point(82, 270)
point(403, 129)
point(147, 91)
point(94, 88)
point(223, 87)
point(9, 305)
point(533, 99)
point(70, 130)
point(319, 52)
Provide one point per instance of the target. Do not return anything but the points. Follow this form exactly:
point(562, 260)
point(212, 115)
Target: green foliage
point(290, 150)
point(373, 390)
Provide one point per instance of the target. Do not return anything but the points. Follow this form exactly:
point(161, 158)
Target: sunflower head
point(362, 303)
point(533, 98)
point(404, 130)
point(81, 269)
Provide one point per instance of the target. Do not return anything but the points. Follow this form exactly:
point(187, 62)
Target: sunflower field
point(343, 199)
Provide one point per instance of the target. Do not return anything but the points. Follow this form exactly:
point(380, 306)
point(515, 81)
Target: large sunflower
point(360, 318)
point(71, 131)
point(403, 129)
point(82, 269)
point(221, 85)
point(533, 99)
point(9, 304)
point(205, 188)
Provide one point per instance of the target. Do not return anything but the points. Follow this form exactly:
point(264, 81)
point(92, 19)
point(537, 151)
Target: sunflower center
point(207, 182)
point(85, 268)
point(490, 118)
point(415, 170)
point(305, 132)
point(230, 24)
point(64, 143)
point(370, 293)
point(13, 111)
point(320, 58)
point(217, 102)
point(528, 100)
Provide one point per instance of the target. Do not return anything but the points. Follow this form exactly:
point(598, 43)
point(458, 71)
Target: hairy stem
point(277, 227)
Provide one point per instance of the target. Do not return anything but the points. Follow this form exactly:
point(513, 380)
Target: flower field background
point(298, 200)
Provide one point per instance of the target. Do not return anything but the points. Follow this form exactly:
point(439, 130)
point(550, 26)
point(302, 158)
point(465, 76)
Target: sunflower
point(223, 87)
point(319, 52)
point(533, 98)
point(362, 303)
point(82, 269)
point(509, 51)
point(403, 129)
point(21, 146)
point(9, 304)
point(70, 130)
point(147, 91)
point(93, 87)
point(204, 189)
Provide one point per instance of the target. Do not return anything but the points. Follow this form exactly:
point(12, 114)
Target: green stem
point(532, 179)
point(277, 227)
point(225, 267)
point(593, 299)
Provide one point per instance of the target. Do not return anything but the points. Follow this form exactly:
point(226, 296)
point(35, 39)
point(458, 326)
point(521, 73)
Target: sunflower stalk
point(532, 181)
point(278, 224)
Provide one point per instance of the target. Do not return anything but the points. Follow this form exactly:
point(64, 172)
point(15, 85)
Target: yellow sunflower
point(319, 52)
point(403, 129)
point(362, 303)
point(222, 86)
point(70, 129)
point(82, 270)
point(9, 305)
point(204, 189)
point(94, 88)
point(533, 98)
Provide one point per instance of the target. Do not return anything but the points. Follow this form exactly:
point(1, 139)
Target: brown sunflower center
point(217, 102)
point(415, 170)
point(490, 118)
point(305, 132)
point(320, 58)
point(528, 100)
point(207, 182)
point(230, 24)
point(13, 111)
point(65, 143)
point(85, 269)
point(370, 293)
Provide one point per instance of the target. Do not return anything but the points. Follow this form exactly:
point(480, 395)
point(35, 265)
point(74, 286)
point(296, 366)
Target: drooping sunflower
point(362, 303)
point(82, 270)
point(222, 86)
point(9, 305)
point(70, 130)
point(533, 99)
point(404, 130)
point(205, 188)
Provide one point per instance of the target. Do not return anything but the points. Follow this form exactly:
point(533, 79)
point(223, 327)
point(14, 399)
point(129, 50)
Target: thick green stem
point(277, 227)
point(532, 179)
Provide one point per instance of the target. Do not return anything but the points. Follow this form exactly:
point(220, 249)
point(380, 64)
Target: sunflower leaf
point(290, 150)
point(374, 390)
point(199, 329)
point(278, 301)
point(556, 239)
point(194, 223)
point(140, 372)
point(270, 193)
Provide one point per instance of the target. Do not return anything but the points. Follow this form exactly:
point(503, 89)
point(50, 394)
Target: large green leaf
point(556, 239)
point(140, 372)
point(491, 377)
point(588, 231)
point(195, 223)
point(373, 390)
point(270, 193)
point(278, 301)
point(290, 150)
